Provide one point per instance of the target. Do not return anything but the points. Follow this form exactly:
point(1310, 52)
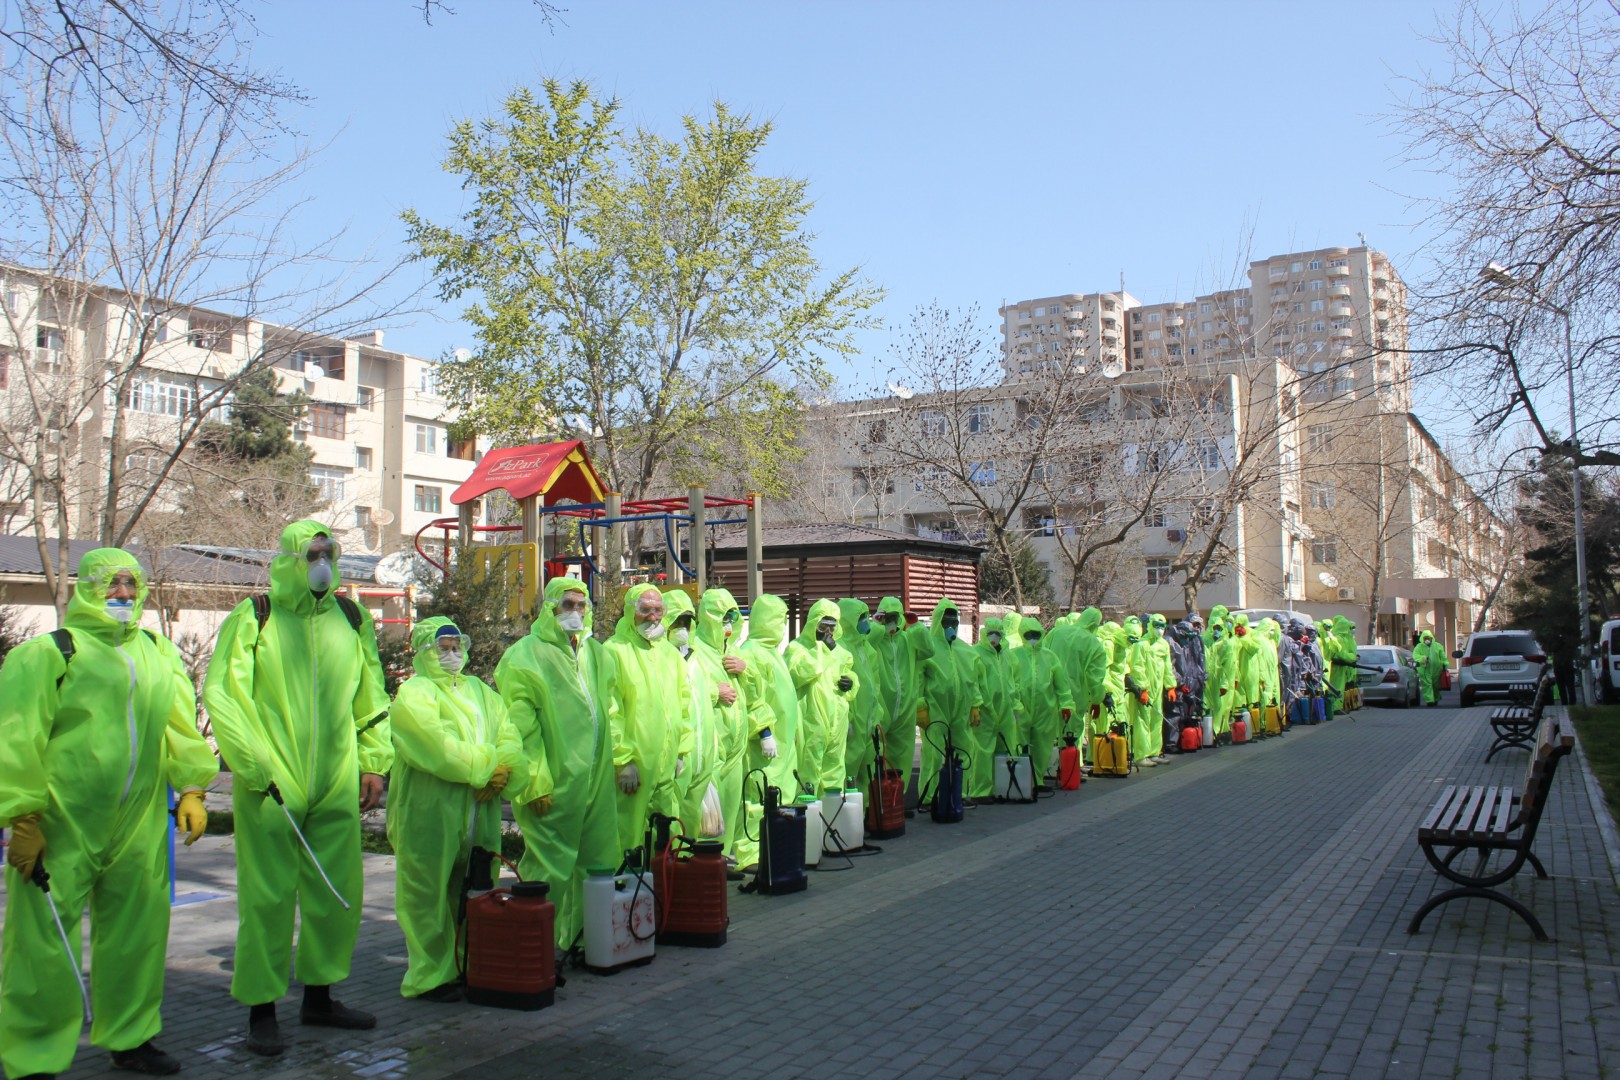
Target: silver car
point(1395, 682)
point(1499, 663)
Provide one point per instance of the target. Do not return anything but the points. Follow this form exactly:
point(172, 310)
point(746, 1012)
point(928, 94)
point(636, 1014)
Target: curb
point(1600, 811)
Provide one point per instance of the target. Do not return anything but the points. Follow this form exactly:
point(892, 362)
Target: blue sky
point(968, 153)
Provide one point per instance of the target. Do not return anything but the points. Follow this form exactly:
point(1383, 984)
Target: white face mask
point(572, 622)
point(652, 631)
point(320, 575)
point(122, 610)
point(681, 636)
point(452, 662)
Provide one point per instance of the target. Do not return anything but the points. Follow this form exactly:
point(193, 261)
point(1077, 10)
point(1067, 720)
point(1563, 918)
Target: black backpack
point(64, 644)
point(351, 610)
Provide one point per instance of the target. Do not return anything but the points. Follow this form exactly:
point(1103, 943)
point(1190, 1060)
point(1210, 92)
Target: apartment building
point(381, 435)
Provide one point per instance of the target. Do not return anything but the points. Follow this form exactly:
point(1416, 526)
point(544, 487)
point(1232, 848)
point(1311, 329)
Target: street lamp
point(1497, 274)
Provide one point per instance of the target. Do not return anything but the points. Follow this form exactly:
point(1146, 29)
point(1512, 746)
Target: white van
point(1607, 662)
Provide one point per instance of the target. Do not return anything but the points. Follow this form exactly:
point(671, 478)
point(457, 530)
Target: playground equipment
point(555, 485)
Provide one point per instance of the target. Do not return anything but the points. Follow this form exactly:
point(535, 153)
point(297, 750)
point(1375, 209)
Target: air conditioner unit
point(1347, 593)
point(1175, 536)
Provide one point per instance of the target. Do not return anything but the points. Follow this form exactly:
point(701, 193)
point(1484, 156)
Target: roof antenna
point(1122, 281)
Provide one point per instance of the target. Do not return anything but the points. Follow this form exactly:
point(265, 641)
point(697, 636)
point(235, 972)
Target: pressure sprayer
point(689, 879)
point(886, 808)
point(43, 880)
point(781, 845)
point(1014, 774)
point(1070, 774)
point(510, 959)
point(947, 807)
point(275, 793)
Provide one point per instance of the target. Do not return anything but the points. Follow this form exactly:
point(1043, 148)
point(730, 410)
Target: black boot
point(264, 1034)
point(445, 992)
point(147, 1059)
point(319, 1010)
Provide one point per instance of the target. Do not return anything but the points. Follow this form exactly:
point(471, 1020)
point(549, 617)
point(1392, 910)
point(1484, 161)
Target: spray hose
point(43, 880)
point(275, 793)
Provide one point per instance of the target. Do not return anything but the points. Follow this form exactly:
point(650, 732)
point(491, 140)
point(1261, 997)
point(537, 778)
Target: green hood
point(1155, 628)
point(850, 613)
point(711, 617)
point(545, 625)
point(821, 609)
point(1132, 628)
point(289, 579)
point(1271, 630)
point(992, 626)
point(1030, 626)
point(1112, 635)
point(1343, 627)
point(767, 620)
point(1240, 620)
point(1427, 638)
point(625, 628)
point(936, 628)
point(87, 607)
point(1090, 619)
point(1013, 627)
point(678, 602)
point(1219, 611)
point(426, 660)
point(892, 606)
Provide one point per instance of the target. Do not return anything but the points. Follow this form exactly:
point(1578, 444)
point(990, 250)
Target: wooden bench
point(1515, 725)
point(1493, 819)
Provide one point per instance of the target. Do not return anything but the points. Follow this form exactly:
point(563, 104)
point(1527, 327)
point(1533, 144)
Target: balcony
point(47, 358)
point(1339, 291)
point(1382, 317)
point(1342, 311)
point(1338, 271)
point(1173, 320)
point(1342, 333)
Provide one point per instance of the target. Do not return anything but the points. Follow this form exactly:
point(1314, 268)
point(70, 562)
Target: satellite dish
point(314, 373)
point(904, 393)
point(1328, 579)
point(1428, 617)
point(462, 355)
point(1113, 369)
point(396, 570)
point(381, 515)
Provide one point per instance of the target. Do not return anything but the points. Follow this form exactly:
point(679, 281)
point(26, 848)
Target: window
point(365, 397)
point(1316, 264)
point(928, 479)
point(427, 439)
point(1325, 549)
point(933, 423)
point(154, 324)
point(48, 346)
point(877, 431)
point(1323, 495)
point(1136, 335)
point(1042, 474)
point(1158, 571)
point(1039, 312)
point(1153, 318)
point(327, 420)
point(1207, 326)
point(1155, 335)
point(426, 499)
point(1317, 305)
point(211, 334)
point(1316, 285)
point(1296, 267)
point(427, 379)
point(1437, 554)
point(829, 489)
point(362, 458)
point(1203, 309)
point(5, 365)
point(161, 397)
point(981, 473)
point(1154, 518)
point(1207, 454)
point(1318, 437)
point(462, 449)
point(362, 516)
point(329, 482)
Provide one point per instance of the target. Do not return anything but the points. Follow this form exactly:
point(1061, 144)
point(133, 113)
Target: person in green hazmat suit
point(773, 712)
point(1084, 659)
point(652, 731)
point(1220, 689)
point(1160, 648)
point(899, 652)
point(95, 730)
point(1112, 637)
point(1143, 690)
point(1246, 673)
point(823, 675)
point(953, 682)
point(1012, 625)
point(1000, 730)
point(1217, 614)
point(300, 713)
point(557, 682)
point(1268, 636)
point(719, 632)
point(1430, 659)
point(1344, 656)
point(1044, 699)
point(710, 700)
point(860, 753)
point(455, 752)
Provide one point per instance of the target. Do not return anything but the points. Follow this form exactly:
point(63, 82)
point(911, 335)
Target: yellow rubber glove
point(922, 715)
point(190, 816)
point(497, 783)
point(973, 716)
point(541, 806)
point(26, 844)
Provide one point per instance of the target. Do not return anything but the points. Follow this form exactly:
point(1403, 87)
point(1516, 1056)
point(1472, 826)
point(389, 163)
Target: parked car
point(1606, 664)
point(1396, 680)
point(1282, 617)
point(1499, 663)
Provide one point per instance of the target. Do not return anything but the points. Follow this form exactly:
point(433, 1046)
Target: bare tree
point(144, 203)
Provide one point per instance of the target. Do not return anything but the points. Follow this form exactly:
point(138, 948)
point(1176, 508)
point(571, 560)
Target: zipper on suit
point(129, 716)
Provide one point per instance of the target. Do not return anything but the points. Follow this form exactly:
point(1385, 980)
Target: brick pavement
point(1239, 912)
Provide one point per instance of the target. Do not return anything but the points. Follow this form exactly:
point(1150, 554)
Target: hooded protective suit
point(1112, 637)
point(1293, 666)
point(1247, 658)
point(1220, 691)
point(1218, 613)
point(1267, 638)
point(649, 714)
point(1012, 624)
point(301, 704)
point(823, 706)
point(450, 734)
point(719, 626)
point(1144, 678)
point(1344, 654)
point(558, 689)
point(859, 752)
point(91, 757)
point(953, 682)
point(999, 729)
point(709, 717)
point(899, 655)
point(1190, 670)
point(1042, 690)
point(773, 707)
point(1431, 661)
point(1084, 659)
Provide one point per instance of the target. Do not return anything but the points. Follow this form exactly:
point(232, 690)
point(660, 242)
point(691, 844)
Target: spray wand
point(275, 793)
point(43, 880)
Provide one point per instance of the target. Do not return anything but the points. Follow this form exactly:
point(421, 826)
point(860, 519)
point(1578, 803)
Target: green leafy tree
point(261, 422)
point(660, 297)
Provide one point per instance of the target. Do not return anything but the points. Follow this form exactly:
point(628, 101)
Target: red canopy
point(557, 472)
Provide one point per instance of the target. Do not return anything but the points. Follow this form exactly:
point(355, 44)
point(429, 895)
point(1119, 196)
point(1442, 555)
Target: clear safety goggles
point(573, 600)
point(650, 606)
point(453, 643)
point(107, 578)
point(320, 547)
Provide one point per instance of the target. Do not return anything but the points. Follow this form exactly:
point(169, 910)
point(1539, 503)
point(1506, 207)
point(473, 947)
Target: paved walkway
point(1238, 912)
